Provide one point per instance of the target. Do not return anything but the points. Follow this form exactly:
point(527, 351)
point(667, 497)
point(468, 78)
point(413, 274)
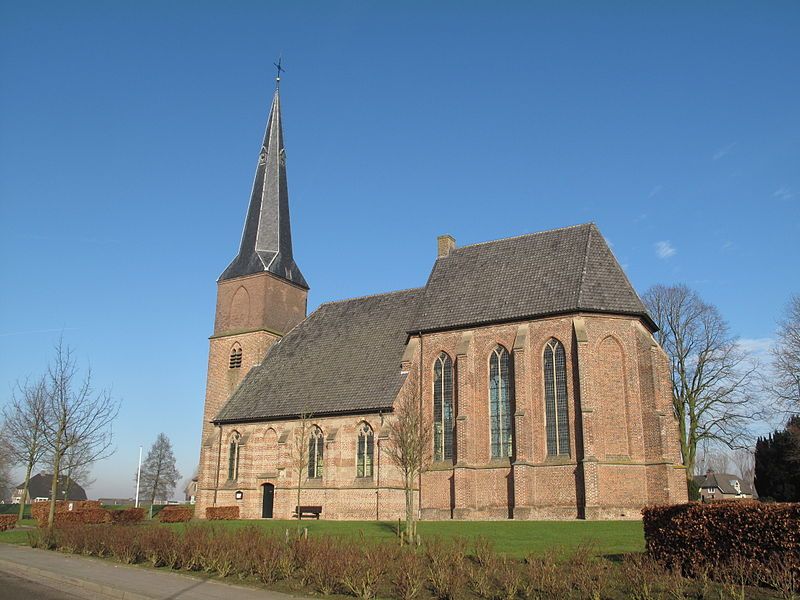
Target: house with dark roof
point(532, 357)
point(723, 486)
point(39, 488)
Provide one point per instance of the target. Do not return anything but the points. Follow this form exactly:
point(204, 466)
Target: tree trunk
point(51, 517)
point(25, 491)
point(299, 483)
point(409, 533)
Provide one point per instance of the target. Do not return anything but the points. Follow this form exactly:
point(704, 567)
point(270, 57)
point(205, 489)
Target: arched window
point(500, 401)
point(365, 451)
point(236, 357)
point(316, 442)
point(443, 408)
point(233, 456)
point(555, 399)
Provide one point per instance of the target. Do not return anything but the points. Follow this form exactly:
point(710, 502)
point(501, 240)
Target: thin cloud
point(783, 193)
point(727, 245)
point(32, 331)
point(757, 348)
point(665, 250)
point(722, 152)
point(655, 191)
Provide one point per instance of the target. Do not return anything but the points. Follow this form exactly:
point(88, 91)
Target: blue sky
point(130, 132)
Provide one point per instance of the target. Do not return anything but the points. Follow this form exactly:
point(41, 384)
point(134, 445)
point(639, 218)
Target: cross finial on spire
point(280, 70)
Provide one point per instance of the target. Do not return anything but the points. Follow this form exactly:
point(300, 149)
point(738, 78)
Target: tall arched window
point(500, 401)
point(555, 399)
point(316, 442)
point(235, 357)
point(365, 451)
point(443, 408)
point(233, 456)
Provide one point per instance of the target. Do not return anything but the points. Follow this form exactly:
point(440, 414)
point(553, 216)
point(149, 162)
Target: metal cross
point(280, 68)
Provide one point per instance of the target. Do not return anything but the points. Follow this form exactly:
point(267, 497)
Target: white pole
point(138, 477)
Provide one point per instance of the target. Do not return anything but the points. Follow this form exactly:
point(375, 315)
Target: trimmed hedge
point(222, 513)
point(7, 522)
point(175, 514)
point(708, 537)
point(126, 515)
point(83, 511)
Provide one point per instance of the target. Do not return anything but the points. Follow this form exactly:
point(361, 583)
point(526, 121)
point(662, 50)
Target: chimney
point(446, 244)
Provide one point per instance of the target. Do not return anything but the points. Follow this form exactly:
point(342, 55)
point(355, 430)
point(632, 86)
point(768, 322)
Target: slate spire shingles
point(267, 237)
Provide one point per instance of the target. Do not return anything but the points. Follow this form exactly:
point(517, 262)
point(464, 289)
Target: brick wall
point(623, 451)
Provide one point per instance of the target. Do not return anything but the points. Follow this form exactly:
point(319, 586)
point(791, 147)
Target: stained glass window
point(500, 401)
point(316, 442)
point(555, 399)
point(443, 408)
point(365, 451)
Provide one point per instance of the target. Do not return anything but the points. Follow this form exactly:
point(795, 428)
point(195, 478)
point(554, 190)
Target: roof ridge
point(585, 265)
point(329, 302)
point(516, 237)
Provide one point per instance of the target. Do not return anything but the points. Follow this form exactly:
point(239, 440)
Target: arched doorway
point(268, 500)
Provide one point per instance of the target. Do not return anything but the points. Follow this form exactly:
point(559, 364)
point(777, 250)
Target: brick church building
point(533, 357)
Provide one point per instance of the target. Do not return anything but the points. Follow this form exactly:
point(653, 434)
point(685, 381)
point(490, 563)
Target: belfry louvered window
point(555, 399)
point(500, 402)
point(365, 451)
point(316, 443)
point(233, 456)
point(443, 408)
point(236, 357)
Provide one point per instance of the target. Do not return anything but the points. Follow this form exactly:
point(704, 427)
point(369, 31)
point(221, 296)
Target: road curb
point(37, 575)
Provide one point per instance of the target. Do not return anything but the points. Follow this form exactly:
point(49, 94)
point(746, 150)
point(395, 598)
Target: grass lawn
point(516, 538)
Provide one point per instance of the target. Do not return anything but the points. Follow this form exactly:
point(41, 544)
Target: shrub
point(219, 513)
point(407, 574)
point(693, 537)
point(127, 515)
point(175, 514)
point(7, 522)
point(445, 569)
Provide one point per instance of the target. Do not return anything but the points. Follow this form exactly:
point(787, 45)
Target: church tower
point(261, 295)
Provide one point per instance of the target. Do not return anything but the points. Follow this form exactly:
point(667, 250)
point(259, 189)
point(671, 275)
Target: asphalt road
point(17, 588)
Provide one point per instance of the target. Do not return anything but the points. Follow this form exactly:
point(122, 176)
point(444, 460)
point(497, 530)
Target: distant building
point(39, 490)
point(190, 491)
point(116, 501)
point(723, 486)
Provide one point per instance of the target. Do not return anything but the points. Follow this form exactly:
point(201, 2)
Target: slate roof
point(267, 236)
point(345, 358)
point(547, 273)
point(723, 481)
point(39, 487)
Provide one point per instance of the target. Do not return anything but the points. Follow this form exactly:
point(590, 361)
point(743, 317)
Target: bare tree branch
point(23, 423)
point(785, 385)
point(409, 448)
point(711, 375)
point(76, 416)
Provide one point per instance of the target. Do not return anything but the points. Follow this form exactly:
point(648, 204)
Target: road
point(17, 588)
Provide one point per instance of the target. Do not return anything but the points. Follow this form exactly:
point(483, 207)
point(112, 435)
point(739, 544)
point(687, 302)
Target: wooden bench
point(311, 511)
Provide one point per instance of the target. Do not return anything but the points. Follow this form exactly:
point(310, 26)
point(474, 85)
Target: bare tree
point(23, 423)
point(744, 461)
point(711, 458)
point(711, 375)
point(76, 416)
point(785, 387)
point(409, 448)
point(159, 473)
point(76, 467)
point(300, 453)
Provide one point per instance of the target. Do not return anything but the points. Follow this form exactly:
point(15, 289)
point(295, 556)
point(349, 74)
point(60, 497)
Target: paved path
point(16, 588)
point(96, 578)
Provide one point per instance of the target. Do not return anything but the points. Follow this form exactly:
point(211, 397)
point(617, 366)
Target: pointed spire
point(267, 237)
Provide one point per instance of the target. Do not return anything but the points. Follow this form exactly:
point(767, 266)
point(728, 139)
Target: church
point(532, 357)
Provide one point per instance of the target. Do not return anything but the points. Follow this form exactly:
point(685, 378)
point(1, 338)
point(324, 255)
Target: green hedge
point(13, 509)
